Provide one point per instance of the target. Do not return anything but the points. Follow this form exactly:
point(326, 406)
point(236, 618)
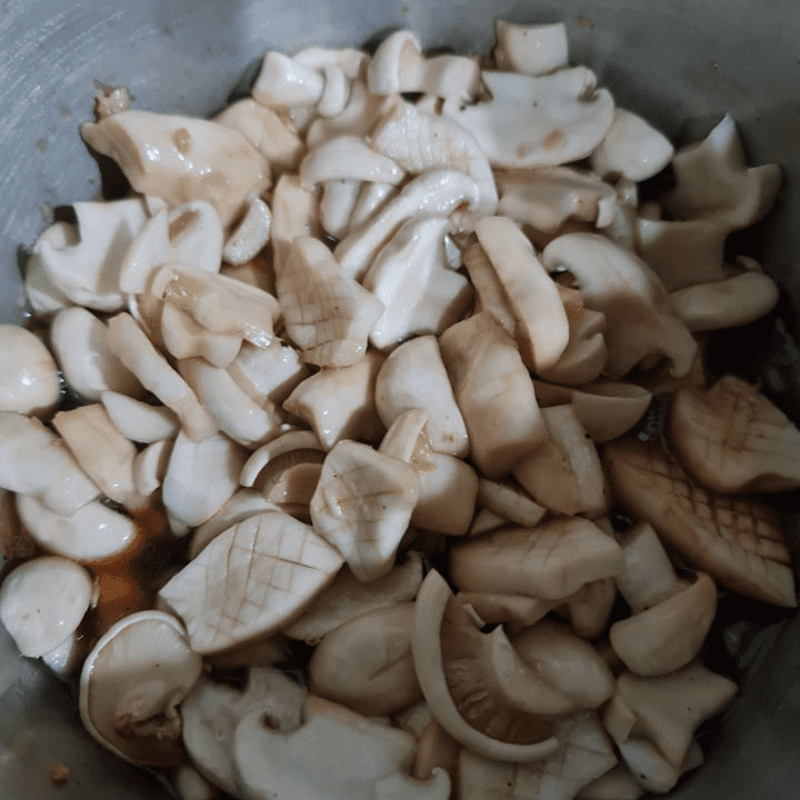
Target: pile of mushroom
point(316, 436)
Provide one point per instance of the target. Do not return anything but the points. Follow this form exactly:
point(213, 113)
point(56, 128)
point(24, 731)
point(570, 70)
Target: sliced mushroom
point(201, 477)
point(242, 504)
point(738, 542)
point(93, 533)
point(640, 322)
point(530, 49)
point(583, 755)
point(733, 439)
point(65, 659)
point(43, 295)
point(666, 710)
point(43, 601)
point(410, 277)
point(294, 215)
point(726, 303)
point(419, 142)
point(540, 316)
point(489, 291)
point(631, 148)
point(564, 473)
point(150, 467)
point(316, 759)
point(339, 198)
point(340, 403)
point(362, 506)
point(475, 685)
point(351, 158)
point(435, 748)
point(284, 83)
point(104, 453)
point(251, 234)
point(616, 784)
point(551, 561)
point(651, 769)
point(366, 664)
point(189, 234)
point(494, 392)
point(212, 711)
point(28, 376)
point(516, 610)
point(182, 158)
point(414, 376)
point(185, 338)
point(34, 461)
point(88, 271)
point(347, 598)
point(590, 608)
point(372, 198)
point(510, 501)
point(537, 122)
point(326, 314)
point(266, 131)
point(608, 409)
point(435, 193)
point(131, 685)
point(268, 373)
point(293, 488)
point(712, 180)
point(670, 618)
point(219, 303)
point(547, 198)
point(251, 581)
point(131, 345)
point(138, 421)
point(229, 406)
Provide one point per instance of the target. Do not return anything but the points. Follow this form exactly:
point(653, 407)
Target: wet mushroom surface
point(379, 445)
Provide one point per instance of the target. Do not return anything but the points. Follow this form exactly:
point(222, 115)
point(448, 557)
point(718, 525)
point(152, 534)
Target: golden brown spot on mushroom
point(554, 139)
point(182, 140)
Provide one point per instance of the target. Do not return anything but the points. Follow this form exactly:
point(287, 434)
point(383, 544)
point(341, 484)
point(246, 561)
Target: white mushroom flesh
point(28, 377)
point(138, 421)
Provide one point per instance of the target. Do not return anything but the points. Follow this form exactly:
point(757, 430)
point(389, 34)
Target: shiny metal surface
point(680, 63)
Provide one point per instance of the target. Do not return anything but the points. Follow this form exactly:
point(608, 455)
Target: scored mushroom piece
point(366, 663)
point(537, 122)
point(268, 373)
point(530, 49)
point(182, 158)
point(666, 630)
point(584, 753)
point(229, 406)
point(347, 598)
point(183, 337)
point(565, 662)
point(104, 453)
point(631, 148)
point(131, 685)
point(363, 505)
point(640, 322)
point(414, 376)
point(138, 421)
point(546, 198)
point(712, 180)
point(212, 711)
point(93, 533)
point(738, 542)
point(201, 477)
point(189, 234)
point(80, 343)
point(564, 473)
point(350, 158)
point(316, 760)
point(494, 392)
point(251, 581)
point(28, 376)
point(43, 601)
point(266, 131)
point(131, 345)
point(665, 711)
point(34, 461)
point(419, 142)
point(551, 561)
point(726, 303)
point(733, 439)
point(476, 686)
point(542, 323)
point(88, 271)
point(438, 192)
point(410, 277)
point(328, 315)
point(340, 403)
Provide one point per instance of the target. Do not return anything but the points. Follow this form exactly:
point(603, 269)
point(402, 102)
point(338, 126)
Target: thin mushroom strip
point(317, 452)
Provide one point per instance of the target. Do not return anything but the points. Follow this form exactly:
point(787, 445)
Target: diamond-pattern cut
point(251, 581)
point(736, 541)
